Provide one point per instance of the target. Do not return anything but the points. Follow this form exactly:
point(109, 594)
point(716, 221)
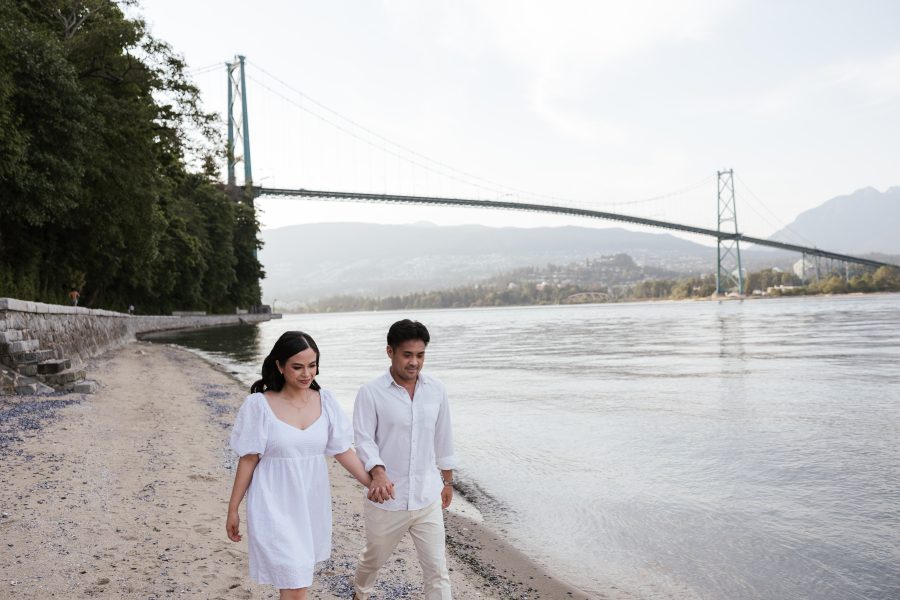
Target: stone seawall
point(46, 339)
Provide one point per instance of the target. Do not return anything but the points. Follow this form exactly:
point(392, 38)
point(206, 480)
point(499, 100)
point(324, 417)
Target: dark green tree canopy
point(101, 185)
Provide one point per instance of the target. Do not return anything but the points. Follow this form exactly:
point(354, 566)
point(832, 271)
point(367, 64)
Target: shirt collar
point(387, 379)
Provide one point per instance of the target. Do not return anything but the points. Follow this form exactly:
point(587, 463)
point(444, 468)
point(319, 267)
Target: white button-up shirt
point(411, 439)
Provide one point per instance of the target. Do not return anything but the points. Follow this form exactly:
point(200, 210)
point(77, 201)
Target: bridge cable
point(206, 69)
point(449, 171)
point(495, 187)
point(672, 194)
point(364, 140)
point(778, 224)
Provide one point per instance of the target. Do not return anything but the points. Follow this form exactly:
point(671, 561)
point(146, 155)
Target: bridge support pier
point(238, 128)
point(729, 271)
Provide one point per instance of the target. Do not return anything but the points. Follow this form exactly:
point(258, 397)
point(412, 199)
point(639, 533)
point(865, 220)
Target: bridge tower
point(238, 125)
point(729, 272)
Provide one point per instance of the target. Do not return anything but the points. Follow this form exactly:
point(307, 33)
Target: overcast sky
point(598, 104)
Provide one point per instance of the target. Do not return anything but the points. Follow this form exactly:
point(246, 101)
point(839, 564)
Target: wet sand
point(123, 494)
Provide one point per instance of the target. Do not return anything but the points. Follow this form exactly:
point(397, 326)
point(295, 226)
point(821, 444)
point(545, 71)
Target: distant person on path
point(131, 309)
point(73, 297)
point(283, 431)
point(402, 425)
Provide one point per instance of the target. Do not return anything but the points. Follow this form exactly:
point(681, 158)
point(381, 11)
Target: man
point(403, 436)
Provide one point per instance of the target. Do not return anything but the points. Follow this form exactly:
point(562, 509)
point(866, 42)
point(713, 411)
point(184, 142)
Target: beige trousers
point(385, 529)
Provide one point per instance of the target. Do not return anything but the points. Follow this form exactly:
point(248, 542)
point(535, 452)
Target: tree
point(103, 168)
point(886, 278)
point(43, 151)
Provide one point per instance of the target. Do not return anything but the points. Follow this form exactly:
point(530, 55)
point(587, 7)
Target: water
point(672, 450)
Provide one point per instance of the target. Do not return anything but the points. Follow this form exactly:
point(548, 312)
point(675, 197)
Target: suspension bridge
point(729, 270)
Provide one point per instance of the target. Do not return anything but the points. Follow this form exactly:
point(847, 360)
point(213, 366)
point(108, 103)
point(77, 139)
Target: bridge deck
point(562, 210)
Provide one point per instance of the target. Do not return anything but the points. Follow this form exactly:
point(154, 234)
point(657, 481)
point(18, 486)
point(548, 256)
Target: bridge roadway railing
point(562, 210)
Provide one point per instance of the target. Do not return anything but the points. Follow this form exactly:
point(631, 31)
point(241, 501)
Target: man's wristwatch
point(447, 482)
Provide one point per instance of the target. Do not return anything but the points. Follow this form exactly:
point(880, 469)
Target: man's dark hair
point(405, 330)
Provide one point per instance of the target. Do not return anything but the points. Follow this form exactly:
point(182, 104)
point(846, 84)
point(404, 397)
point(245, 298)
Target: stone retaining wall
point(78, 333)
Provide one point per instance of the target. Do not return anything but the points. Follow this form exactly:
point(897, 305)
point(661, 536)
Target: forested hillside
point(106, 176)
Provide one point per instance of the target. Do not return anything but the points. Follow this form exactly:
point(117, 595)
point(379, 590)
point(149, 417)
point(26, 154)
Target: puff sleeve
point(249, 434)
point(340, 432)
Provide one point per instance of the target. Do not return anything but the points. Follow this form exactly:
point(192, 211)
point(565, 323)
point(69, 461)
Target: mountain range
point(308, 262)
point(865, 221)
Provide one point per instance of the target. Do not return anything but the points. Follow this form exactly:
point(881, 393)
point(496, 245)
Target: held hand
point(232, 526)
point(374, 494)
point(381, 489)
point(381, 493)
point(446, 496)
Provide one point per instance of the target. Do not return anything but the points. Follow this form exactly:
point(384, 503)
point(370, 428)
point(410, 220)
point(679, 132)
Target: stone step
point(10, 335)
point(19, 346)
point(82, 387)
point(8, 381)
point(33, 387)
point(13, 382)
point(26, 358)
point(29, 370)
point(54, 365)
point(62, 378)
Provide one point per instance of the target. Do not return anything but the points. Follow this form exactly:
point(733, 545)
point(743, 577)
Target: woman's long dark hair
point(289, 344)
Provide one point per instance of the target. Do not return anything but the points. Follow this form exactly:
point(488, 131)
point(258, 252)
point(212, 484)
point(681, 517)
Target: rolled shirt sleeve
point(443, 437)
point(365, 424)
point(411, 438)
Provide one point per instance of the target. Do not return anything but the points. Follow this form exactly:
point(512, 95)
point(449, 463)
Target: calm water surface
point(671, 450)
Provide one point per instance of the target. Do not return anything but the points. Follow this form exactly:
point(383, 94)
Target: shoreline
point(123, 493)
point(499, 563)
point(618, 302)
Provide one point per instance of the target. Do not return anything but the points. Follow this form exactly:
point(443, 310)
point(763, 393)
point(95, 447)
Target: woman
point(284, 430)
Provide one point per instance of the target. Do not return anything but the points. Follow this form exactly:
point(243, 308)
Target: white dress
point(289, 499)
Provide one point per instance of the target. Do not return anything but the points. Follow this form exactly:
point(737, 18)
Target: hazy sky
point(599, 104)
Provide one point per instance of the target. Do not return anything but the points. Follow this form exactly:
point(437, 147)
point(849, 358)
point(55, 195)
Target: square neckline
point(277, 418)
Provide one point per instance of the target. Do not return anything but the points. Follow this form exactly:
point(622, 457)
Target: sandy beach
point(123, 494)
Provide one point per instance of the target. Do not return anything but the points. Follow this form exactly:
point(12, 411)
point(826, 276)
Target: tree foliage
point(611, 279)
point(883, 279)
point(102, 135)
